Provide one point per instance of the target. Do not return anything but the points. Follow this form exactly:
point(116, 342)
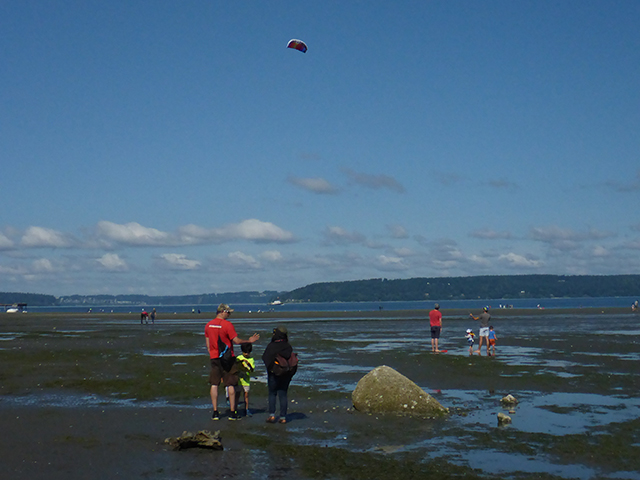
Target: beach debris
point(503, 419)
point(202, 439)
point(509, 400)
point(384, 390)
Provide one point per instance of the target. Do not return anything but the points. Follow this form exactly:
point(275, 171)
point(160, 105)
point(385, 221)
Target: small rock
point(509, 400)
point(202, 439)
point(503, 419)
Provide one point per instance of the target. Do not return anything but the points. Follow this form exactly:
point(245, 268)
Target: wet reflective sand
point(79, 392)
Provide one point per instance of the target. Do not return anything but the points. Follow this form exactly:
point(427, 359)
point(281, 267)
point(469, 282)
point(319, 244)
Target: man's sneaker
point(234, 416)
point(215, 416)
point(249, 413)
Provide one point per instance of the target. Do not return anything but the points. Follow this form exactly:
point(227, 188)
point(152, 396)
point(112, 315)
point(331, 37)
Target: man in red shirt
point(435, 319)
point(221, 335)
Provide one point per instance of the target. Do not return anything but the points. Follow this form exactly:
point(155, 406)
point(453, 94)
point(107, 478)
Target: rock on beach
point(384, 390)
point(503, 419)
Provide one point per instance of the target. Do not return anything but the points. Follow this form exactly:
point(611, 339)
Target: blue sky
point(166, 147)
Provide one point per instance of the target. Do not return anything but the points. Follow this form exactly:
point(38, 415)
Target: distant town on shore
point(376, 290)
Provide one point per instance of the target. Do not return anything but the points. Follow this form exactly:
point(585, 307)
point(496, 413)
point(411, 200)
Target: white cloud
point(39, 237)
point(375, 182)
point(519, 261)
point(132, 234)
point(633, 185)
point(42, 265)
point(404, 252)
point(255, 231)
point(252, 230)
point(553, 234)
point(12, 270)
point(488, 234)
point(398, 231)
point(391, 263)
point(502, 183)
point(113, 262)
point(271, 256)
point(314, 185)
point(479, 260)
point(449, 178)
point(5, 242)
point(600, 251)
point(340, 236)
point(243, 260)
point(177, 261)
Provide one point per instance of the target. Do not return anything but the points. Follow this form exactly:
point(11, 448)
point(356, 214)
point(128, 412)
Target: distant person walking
point(278, 384)
point(435, 321)
point(220, 336)
point(153, 316)
point(484, 319)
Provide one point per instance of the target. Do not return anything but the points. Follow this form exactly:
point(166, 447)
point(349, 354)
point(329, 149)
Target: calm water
point(599, 302)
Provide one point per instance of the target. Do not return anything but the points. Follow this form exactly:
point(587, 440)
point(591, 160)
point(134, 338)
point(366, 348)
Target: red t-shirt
point(224, 329)
point(435, 318)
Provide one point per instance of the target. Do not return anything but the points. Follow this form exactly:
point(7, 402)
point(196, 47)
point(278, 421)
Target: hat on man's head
point(223, 307)
point(468, 330)
point(282, 329)
point(486, 309)
point(436, 306)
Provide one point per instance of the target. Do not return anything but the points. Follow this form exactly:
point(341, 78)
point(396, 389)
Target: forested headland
point(460, 288)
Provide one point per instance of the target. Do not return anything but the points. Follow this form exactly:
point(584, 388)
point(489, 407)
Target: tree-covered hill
point(35, 299)
point(481, 287)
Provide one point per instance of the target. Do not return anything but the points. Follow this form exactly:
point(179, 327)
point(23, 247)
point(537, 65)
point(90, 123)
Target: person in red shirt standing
point(435, 319)
point(221, 335)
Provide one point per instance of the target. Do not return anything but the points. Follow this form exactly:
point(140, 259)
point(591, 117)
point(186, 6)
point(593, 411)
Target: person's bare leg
point(232, 398)
point(214, 397)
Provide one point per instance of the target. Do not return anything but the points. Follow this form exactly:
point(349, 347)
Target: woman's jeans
point(278, 387)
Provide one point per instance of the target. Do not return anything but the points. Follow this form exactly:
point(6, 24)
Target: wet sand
point(94, 395)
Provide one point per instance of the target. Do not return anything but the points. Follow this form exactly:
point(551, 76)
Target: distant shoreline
point(365, 314)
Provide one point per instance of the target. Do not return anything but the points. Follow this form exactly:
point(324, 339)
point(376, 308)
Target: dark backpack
point(226, 355)
point(285, 366)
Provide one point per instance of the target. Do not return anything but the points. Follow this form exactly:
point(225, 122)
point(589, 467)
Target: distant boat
point(14, 308)
point(275, 302)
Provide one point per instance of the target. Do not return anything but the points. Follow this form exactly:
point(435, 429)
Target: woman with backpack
point(281, 364)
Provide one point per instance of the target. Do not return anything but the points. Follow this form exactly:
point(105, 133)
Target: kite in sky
point(297, 44)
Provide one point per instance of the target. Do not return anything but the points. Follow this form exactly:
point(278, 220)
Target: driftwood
point(202, 439)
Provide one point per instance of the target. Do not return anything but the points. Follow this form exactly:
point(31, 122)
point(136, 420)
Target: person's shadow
point(296, 416)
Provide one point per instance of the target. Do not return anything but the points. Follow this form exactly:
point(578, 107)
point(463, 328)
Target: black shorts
point(435, 332)
point(218, 374)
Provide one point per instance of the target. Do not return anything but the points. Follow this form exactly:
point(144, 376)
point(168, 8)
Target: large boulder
point(384, 390)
